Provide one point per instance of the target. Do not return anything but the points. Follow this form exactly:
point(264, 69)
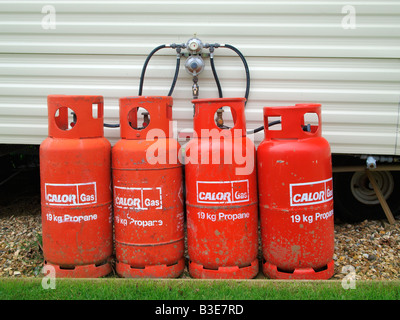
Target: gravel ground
point(372, 248)
point(20, 227)
point(20, 234)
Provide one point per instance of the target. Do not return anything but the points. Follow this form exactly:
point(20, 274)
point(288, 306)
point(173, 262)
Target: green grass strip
point(192, 289)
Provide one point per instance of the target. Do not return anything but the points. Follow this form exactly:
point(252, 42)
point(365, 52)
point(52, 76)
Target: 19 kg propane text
point(222, 216)
point(70, 218)
point(138, 223)
point(310, 218)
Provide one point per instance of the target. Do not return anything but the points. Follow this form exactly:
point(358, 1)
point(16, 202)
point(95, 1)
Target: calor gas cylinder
point(221, 193)
point(295, 195)
point(148, 191)
point(76, 195)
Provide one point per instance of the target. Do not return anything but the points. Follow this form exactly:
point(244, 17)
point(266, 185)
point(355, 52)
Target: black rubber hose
point(141, 79)
point(107, 125)
point(246, 67)
point(272, 123)
point(178, 62)
point(215, 75)
point(258, 129)
point(145, 66)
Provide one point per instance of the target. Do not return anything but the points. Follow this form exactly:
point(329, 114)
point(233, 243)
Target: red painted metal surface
point(76, 189)
point(295, 196)
point(148, 192)
point(221, 195)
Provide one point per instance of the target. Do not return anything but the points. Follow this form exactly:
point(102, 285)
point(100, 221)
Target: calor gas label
point(74, 194)
point(138, 198)
point(310, 193)
point(218, 192)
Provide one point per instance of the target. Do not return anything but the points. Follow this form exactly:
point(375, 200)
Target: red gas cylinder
point(76, 194)
point(221, 194)
point(148, 191)
point(295, 196)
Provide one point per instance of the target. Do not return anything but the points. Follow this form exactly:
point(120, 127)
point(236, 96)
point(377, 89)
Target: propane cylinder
point(75, 172)
point(295, 195)
point(148, 191)
point(221, 194)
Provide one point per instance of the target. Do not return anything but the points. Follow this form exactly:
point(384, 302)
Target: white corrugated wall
point(297, 51)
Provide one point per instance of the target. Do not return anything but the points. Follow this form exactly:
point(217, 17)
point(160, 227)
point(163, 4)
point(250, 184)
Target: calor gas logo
point(74, 194)
point(309, 193)
point(222, 191)
point(138, 198)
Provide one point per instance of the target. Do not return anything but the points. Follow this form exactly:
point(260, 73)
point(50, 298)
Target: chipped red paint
point(148, 193)
point(295, 197)
point(221, 195)
point(75, 190)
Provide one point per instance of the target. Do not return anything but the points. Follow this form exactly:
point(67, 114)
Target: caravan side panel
point(297, 52)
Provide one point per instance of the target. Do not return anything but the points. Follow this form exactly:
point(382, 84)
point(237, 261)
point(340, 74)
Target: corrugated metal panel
point(297, 52)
